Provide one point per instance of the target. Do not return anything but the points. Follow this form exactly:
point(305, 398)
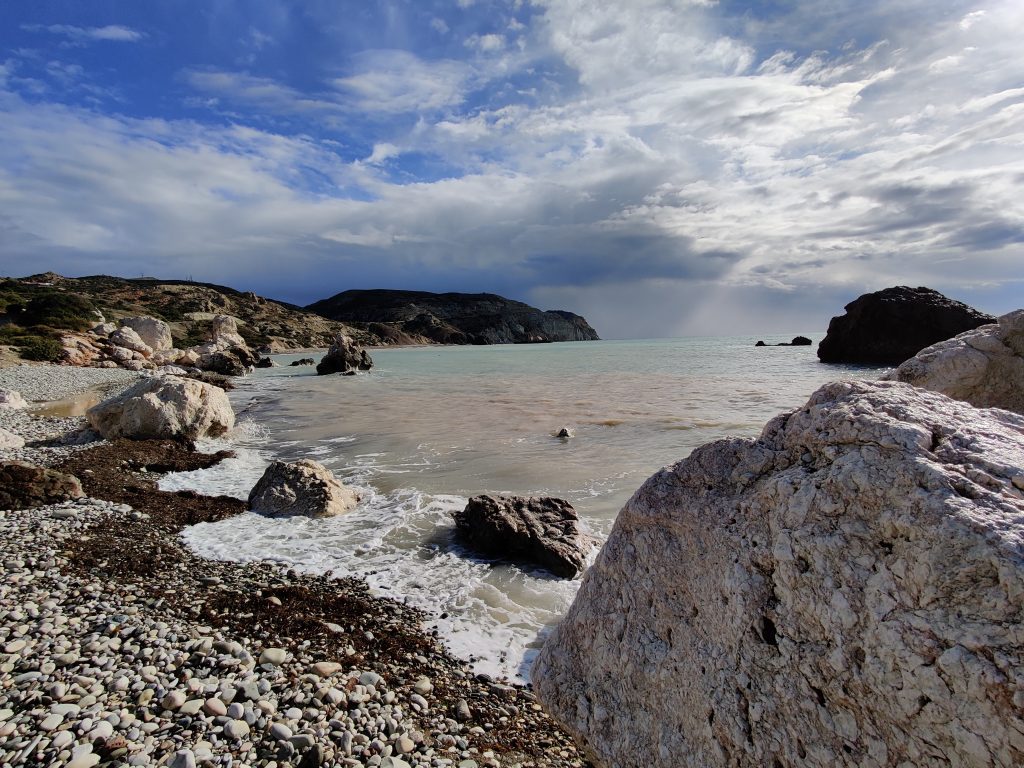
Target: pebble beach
point(121, 647)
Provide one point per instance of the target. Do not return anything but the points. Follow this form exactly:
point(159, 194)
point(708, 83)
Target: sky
point(663, 167)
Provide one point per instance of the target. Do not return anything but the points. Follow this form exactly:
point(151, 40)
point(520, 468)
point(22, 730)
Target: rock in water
point(800, 341)
point(984, 367)
point(890, 326)
point(24, 485)
point(543, 531)
point(162, 407)
point(301, 487)
point(846, 590)
point(344, 357)
point(154, 333)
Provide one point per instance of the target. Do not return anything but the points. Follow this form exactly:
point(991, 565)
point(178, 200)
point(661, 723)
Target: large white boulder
point(984, 367)
point(846, 590)
point(303, 487)
point(167, 406)
point(154, 333)
point(11, 399)
point(126, 338)
point(224, 332)
point(10, 441)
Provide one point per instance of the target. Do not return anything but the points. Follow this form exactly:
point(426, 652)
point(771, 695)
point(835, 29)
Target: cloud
point(265, 93)
point(486, 43)
point(111, 33)
point(393, 81)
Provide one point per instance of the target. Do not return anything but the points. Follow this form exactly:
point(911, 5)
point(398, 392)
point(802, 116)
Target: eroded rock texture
point(164, 406)
point(345, 357)
point(303, 487)
point(848, 589)
point(984, 367)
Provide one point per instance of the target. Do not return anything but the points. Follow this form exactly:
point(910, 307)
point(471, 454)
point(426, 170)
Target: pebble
point(236, 729)
point(273, 656)
point(326, 668)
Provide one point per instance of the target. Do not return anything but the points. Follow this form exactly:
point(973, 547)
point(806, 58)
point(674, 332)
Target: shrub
point(60, 310)
point(41, 349)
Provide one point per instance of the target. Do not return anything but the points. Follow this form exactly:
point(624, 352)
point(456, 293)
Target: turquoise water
point(431, 426)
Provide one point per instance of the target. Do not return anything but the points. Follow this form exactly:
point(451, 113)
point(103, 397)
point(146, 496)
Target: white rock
point(225, 332)
point(274, 656)
point(848, 589)
point(984, 367)
point(10, 441)
point(156, 334)
point(303, 487)
point(164, 407)
point(11, 399)
point(103, 329)
point(129, 339)
point(236, 729)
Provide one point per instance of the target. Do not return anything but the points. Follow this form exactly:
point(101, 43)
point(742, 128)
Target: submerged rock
point(303, 361)
point(303, 487)
point(24, 485)
point(984, 367)
point(166, 406)
point(845, 590)
point(890, 326)
point(345, 357)
point(539, 530)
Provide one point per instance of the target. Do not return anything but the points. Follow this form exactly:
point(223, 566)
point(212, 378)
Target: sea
point(430, 427)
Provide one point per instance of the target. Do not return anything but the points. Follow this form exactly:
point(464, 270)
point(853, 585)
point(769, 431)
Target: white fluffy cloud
point(658, 159)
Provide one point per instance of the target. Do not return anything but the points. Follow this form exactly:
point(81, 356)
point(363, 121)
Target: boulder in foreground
point(984, 367)
point(344, 357)
point(24, 485)
point(164, 406)
point(538, 530)
point(890, 326)
point(303, 487)
point(846, 590)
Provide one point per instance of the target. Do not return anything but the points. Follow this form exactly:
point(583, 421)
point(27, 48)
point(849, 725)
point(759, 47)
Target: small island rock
point(164, 406)
point(848, 584)
point(303, 487)
point(890, 326)
point(344, 356)
point(539, 530)
point(984, 367)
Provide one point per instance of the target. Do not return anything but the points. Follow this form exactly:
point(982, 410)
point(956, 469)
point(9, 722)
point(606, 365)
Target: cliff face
point(186, 306)
point(454, 318)
point(843, 591)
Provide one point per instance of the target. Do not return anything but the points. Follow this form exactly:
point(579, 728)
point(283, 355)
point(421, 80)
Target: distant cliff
point(453, 318)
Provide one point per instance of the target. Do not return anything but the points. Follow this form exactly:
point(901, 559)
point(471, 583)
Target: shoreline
point(363, 679)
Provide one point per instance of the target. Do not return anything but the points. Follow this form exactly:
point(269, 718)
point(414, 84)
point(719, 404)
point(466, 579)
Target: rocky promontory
point(845, 590)
point(454, 318)
point(889, 326)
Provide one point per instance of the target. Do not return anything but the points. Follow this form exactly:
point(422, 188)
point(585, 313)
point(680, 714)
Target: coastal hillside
point(52, 302)
point(454, 318)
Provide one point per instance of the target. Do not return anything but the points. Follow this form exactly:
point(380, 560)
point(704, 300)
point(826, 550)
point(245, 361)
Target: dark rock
point(544, 531)
point(454, 318)
point(890, 326)
point(264, 362)
point(345, 357)
point(564, 432)
point(760, 344)
point(236, 361)
point(303, 361)
point(800, 341)
point(24, 485)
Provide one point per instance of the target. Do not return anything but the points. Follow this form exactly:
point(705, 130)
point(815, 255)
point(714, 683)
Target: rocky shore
point(120, 647)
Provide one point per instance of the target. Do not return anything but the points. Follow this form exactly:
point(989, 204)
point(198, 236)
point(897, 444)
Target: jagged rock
point(164, 406)
point(265, 362)
point(303, 487)
point(303, 361)
point(103, 329)
point(153, 332)
point(344, 357)
point(890, 326)
point(11, 399)
point(224, 331)
point(234, 361)
point(845, 590)
point(800, 341)
point(540, 530)
point(10, 441)
point(78, 349)
point(126, 338)
point(24, 485)
point(984, 367)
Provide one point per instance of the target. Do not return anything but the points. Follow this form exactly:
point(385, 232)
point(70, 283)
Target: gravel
point(54, 382)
